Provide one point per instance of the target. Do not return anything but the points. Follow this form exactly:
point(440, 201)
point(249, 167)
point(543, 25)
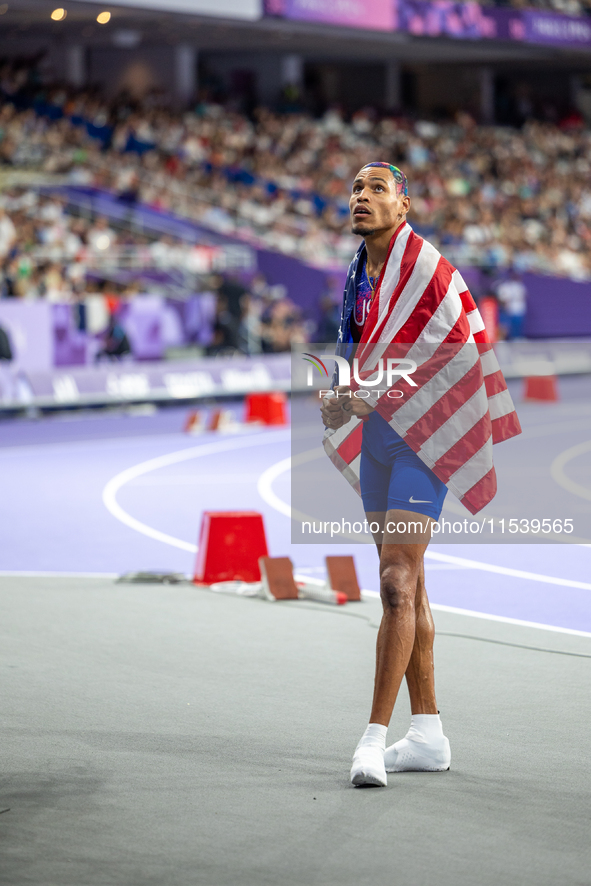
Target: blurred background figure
point(5, 348)
point(115, 341)
point(512, 295)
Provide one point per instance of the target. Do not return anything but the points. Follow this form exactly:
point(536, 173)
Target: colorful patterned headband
point(399, 176)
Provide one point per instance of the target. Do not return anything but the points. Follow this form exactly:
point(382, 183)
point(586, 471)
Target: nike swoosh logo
point(419, 501)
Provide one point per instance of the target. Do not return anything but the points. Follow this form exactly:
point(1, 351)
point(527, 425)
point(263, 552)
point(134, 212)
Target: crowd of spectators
point(497, 197)
point(485, 195)
point(47, 253)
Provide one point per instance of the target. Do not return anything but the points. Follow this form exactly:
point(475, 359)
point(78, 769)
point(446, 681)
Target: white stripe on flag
point(392, 273)
point(425, 354)
point(429, 393)
point(454, 428)
point(422, 274)
point(489, 361)
point(437, 328)
point(476, 322)
point(500, 404)
point(351, 472)
point(472, 471)
point(459, 281)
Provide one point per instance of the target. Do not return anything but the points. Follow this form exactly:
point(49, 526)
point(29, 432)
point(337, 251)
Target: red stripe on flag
point(467, 301)
point(458, 335)
point(350, 447)
point(452, 460)
point(428, 303)
point(460, 331)
point(387, 406)
point(447, 405)
point(505, 427)
point(481, 493)
point(495, 383)
point(407, 266)
point(481, 337)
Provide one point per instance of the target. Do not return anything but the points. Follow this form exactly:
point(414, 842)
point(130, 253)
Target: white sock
point(374, 736)
point(368, 759)
point(423, 749)
point(425, 728)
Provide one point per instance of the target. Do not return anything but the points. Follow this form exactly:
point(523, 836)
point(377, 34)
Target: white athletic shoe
point(368, 767)
point(409, 755)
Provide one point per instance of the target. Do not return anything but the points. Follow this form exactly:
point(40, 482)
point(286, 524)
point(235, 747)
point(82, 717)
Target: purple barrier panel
point(555, 29)
point(198, 317)
point(473, 278)
point(142, 320)
point(377, 15)
point(69, 344)
point(30, 330)
point(175, 379)
point(556, 307)
point(173, 331)
point(305, 285)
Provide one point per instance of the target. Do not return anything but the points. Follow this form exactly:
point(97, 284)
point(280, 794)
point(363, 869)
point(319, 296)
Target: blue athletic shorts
point(393, 477)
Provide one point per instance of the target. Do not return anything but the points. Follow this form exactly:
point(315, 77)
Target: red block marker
point(267, 409)
point(541, 387)
point(230, 544)
point(343, 577)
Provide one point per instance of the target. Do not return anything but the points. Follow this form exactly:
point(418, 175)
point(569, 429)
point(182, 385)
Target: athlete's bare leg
point(405, 637)
point(404, 647)
point(420, 673)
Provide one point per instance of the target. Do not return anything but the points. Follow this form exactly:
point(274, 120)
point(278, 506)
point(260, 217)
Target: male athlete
point(396, 280)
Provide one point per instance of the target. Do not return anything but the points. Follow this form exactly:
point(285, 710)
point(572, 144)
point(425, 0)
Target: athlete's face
point(376, 204)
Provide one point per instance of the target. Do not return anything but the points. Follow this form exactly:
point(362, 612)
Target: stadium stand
point(487, 196)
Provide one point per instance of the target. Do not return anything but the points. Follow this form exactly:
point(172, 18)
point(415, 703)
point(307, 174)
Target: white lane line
point(7, 573)
point(504, 619)
point(268, 477)
point(506, 570)
point(510, 621)
point(558, 465)
point(266, 492)
point(116, 483)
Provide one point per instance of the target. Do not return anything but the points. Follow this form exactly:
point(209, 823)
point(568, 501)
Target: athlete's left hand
point(355, 405)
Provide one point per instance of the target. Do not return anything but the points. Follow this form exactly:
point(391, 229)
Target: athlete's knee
point(398, 587)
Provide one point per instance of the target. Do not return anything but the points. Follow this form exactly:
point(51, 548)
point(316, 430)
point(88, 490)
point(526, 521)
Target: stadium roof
point(237, 25)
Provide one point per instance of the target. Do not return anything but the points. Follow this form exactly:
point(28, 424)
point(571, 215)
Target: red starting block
point(230, 545)
point(220, 420)
point(277, 578)
point(266, 409)
point(194, 422)
point(343, 577)
point(541, 387)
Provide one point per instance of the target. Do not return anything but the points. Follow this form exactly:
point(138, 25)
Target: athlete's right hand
point(332, 413)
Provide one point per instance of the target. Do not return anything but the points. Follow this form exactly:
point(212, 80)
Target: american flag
point(423, 311)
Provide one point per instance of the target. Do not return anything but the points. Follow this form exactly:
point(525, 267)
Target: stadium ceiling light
point(59, 14)
point(103, 17)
